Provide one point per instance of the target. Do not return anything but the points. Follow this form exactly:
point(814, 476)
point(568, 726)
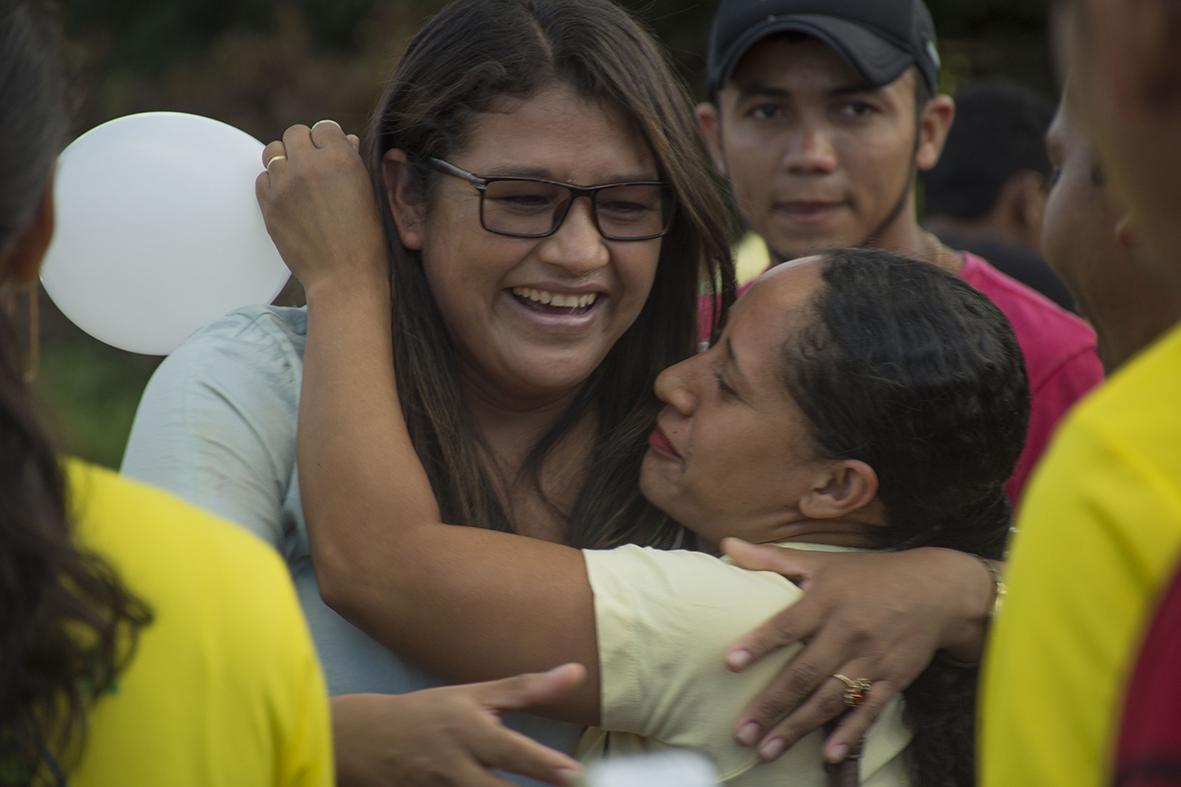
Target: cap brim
point(876, 59)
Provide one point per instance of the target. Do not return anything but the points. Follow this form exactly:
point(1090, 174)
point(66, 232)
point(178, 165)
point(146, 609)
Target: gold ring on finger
point(856, 689)
point(275, 158)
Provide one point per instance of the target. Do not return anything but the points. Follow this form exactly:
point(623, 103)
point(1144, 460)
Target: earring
point(31, 357)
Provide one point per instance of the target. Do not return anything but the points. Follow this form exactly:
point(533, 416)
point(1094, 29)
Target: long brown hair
point(473, 53)
point(67, 624)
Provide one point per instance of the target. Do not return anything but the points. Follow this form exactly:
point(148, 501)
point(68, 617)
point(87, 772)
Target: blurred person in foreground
point(143, 641)
point(820, 115)
point(988, 192)
point(1099, 537)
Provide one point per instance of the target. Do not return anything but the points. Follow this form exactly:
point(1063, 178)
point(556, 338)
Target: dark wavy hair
point(67, 624)
point(467, 59)
point(911, 370)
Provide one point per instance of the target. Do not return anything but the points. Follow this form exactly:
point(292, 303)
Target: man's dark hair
point(909, 369)
point(998, 132)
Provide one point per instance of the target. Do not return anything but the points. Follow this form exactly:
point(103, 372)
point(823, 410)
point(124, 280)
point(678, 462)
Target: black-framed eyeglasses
point(536, 208)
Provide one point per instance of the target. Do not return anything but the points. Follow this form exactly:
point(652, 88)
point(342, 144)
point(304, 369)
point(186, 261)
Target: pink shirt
point(1059, 349)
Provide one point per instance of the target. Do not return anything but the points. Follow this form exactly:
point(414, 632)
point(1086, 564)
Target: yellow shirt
point(224, 688)
point(751, 258)
point(1098, 537)
point(664, 620)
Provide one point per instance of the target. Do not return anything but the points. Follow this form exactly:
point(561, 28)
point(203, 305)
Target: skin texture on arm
point(383, 557)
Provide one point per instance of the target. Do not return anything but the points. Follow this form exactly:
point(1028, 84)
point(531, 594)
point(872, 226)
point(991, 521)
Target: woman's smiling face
point(497, 294)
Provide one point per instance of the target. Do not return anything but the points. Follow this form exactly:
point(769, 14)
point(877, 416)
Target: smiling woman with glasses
point(521, 185)
point(521, 207)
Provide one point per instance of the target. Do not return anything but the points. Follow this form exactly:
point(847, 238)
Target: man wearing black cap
point(821, 113)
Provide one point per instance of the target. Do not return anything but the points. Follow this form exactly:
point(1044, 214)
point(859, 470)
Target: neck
point(839, 533)
point(511, 426)
point(511, 423)
point(857, 529)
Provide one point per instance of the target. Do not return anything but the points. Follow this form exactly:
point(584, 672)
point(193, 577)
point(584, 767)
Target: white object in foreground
point(680, 768)
point(158, 231)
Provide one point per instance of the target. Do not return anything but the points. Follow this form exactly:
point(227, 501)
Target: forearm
point(364, 490)
point(468, 603)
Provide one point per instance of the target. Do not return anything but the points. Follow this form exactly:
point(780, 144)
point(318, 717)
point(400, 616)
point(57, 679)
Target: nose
point(674, 386)
point(810, 150)
point(577, 247)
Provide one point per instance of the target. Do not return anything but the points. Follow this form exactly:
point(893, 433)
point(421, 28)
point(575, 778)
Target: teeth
point(556, 299)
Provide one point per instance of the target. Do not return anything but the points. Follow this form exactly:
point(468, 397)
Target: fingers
point(790, 691)
point(326, 132)
point(507, 750)
point(795, 564)
point(297, 140)
point(796, 623)
point(854, 726)
point(524, 691)
point(470, 774)
point(826, 704)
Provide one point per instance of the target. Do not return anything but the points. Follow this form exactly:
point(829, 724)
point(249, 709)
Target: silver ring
point(273, 159)
point(326, 120)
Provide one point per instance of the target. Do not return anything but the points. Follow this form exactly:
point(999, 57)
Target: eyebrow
point(541, 173)
point(755, 88)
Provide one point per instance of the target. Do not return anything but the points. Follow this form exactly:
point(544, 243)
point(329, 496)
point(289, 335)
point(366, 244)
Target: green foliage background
point(263, 66)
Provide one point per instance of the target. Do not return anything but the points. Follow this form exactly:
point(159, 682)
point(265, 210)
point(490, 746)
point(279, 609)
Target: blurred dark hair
point(467, 60)
point(68, 625)
point(999, 132)
point(911, 370)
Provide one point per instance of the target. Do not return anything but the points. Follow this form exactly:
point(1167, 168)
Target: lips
point(658, 441)
point(808, 211)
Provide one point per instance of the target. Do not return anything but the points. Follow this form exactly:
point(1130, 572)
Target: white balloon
point(158, 230)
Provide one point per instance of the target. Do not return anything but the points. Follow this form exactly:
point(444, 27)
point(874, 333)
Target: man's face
point(816, 159)
point(1126, 70)
point(1087, 238)
point(1079, 231)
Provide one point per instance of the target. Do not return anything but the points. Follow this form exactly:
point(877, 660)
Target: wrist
point(350, 289)
point(974, 588)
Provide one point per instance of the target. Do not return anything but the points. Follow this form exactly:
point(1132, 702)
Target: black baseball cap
point(878, 38)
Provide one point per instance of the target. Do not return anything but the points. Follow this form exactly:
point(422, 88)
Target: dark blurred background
point(262, 66)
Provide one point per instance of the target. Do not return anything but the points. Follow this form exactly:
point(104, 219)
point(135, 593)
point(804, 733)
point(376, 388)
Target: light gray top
point(216, 426)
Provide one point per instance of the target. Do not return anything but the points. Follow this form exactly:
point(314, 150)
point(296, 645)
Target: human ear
point(709, 121)
point(1125, 232)
point(844, 487)
point(20, 262)
point(1023, 198)
point(407, 205)
point(934, 123)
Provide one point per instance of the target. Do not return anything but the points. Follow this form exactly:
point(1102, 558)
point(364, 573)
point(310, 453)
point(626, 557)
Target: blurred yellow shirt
point(751, 258)
point(664, 620)
point(224, 687)
point(1098, 538)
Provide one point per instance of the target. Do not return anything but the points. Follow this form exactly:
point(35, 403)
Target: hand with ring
point(880, 617)
point(318, 203)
